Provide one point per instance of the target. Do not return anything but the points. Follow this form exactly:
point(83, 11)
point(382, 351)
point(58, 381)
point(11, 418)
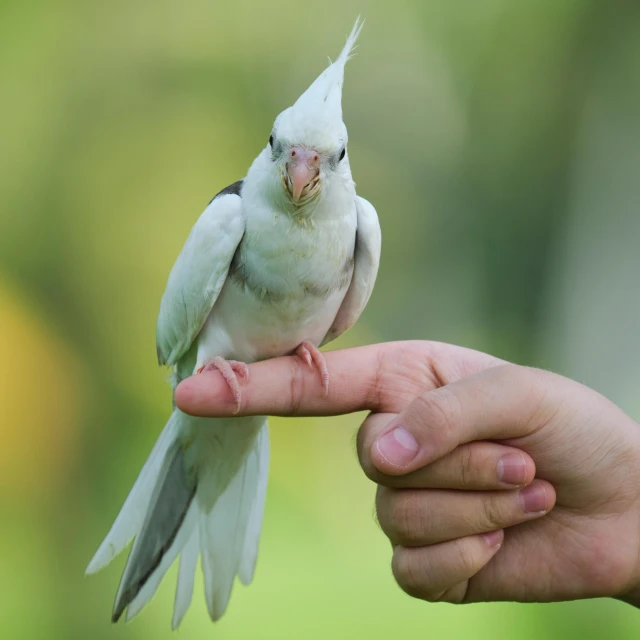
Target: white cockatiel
point(279, 263)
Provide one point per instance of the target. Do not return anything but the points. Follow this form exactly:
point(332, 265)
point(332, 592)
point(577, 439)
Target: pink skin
point(303, 166)
point(231, 369)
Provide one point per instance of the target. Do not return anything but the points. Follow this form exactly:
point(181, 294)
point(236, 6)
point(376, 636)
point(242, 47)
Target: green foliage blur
point(500, 143)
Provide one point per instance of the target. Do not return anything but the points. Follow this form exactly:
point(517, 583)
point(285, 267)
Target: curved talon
point(230, 370)
point(303, 352)
point(315, 359)
point(240, 368)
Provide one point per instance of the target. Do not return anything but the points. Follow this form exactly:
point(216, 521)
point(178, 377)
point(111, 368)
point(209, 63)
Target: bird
point(279, 263)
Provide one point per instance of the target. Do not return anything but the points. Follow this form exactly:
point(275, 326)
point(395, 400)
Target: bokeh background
point(500, 143)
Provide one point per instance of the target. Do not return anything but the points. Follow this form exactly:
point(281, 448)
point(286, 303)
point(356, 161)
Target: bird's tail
point(201, 492)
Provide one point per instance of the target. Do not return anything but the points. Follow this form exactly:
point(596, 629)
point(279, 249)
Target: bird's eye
point(271, 140)
point(344, 150)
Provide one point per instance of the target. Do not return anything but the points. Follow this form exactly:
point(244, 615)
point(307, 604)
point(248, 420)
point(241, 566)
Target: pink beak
point(302, 168)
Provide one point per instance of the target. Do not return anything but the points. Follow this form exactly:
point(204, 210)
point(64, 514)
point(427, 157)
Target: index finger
point(383, 377)
point(287, 386)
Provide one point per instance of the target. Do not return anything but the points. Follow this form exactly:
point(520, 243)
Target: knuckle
point(467, 560)
point(375, 393)
point(533, 385)
point(296, 386)
point(467, 465)
point(412, 574)
point(402, 514)
point(476, 465)
point(416, 576)
point(404, 355)
point(495, 513)
point(408, 574)
point(439, 410)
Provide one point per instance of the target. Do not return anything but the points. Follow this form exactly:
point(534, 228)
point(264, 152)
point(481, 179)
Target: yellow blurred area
point(40, 404)
point(499, 142)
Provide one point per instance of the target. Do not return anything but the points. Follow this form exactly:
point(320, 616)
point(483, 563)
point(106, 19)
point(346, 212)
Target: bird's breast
point(283, 265)
point(290, 278)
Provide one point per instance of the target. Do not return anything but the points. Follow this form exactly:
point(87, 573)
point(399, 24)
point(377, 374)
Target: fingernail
point(533, 499)
point(493, 538)
point(512, 469)
point(398, 447)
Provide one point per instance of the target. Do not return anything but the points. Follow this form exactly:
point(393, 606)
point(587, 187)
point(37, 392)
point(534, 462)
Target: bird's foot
point(230, 370)
point(316, 360)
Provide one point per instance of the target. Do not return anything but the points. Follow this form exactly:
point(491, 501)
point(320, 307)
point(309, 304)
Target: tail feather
point(150, 586)
point(131, 516)
point(231, 529)
point(186, 575)
point(164, 519)
point(221, 535)
point(260, 459)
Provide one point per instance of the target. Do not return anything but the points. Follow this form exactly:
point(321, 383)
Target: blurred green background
point(499, 141)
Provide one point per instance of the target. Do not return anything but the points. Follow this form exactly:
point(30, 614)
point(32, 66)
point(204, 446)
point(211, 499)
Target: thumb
point(502, 402)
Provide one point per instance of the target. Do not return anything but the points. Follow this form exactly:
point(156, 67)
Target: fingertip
point(538, 498)
point(550, 492)
point(530, 474)
point(515, 469)
point(494, 539)
point(394, 452)
point(205, 394)
point(183, 396)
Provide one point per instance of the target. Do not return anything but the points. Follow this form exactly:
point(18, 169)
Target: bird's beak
point(302, 171)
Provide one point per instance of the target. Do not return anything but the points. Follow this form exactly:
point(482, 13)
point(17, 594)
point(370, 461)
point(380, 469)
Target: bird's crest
point(317, 114)
point(326, 90)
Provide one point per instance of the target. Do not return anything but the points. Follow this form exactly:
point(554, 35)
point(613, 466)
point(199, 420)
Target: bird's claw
point(230, 371)
point(316, 360)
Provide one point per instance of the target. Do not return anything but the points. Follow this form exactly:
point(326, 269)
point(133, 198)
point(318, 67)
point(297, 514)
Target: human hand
point(460, 412)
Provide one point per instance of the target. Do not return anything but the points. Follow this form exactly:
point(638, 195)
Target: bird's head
point(308, 143)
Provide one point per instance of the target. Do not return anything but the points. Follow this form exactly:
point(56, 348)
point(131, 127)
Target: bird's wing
point(199, 274)
point(367, 259)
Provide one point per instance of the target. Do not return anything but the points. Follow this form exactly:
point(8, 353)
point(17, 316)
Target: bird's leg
point(316, 360)
point(230, 370)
